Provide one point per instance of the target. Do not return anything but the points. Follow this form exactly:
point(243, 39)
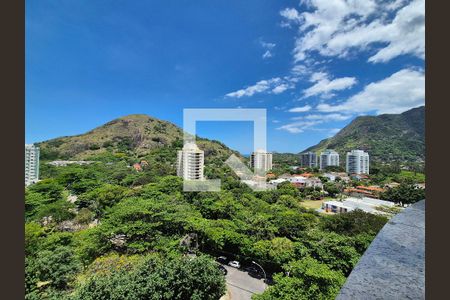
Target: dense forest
point(108, 231)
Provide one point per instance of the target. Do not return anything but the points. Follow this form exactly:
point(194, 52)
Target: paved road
point(241, 285)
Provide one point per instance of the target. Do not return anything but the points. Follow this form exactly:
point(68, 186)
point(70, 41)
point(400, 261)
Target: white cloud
point(317, 76)
point(291, 14)
point(259, 87)
point(298, 127)
point(335, 28)
point(325, 117)
point(281, 88)
point(300, 109)
point(300, 70)
point(267, 54)
point(310, 121)
point(275, 85)
point(324, 86)
point(401, 91)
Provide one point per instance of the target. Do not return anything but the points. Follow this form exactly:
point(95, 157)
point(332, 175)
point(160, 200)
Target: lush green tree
point(332, 249)
point(84, 216)
point(51, 269)
point(33, 232)
point(354, 222)
point(288, 201)
point(405, 193)
point(307, 279)
point(334, 169)
point(48, 188)
point(178, 278)
point(332, 189)
point(292, 223)
point(102, 197)
point(286, 188)
point(278, 250)
point(59, 211)
point(33, 201)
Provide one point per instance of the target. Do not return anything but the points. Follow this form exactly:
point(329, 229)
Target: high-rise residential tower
point(261, 161)
point(328, 158)
point(357, 162)
point(31, 164)
point(190, 162)
point(308, 160)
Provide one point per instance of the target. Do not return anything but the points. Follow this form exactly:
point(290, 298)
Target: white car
point(234, 264)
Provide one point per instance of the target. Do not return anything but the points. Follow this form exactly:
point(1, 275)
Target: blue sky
point(314, 65)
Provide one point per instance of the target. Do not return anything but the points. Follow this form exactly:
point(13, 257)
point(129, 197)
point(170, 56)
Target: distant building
point(31, 164)
point(261, 161)
point(392, 185)
point(372, 191)
point(357, 162)
point(341, 175)
point(328, 158)
point(337, 176)
point(271, 176)
point(276, 182)
point(137, 167)
point(190, 162)
point(314, 182)
point(308, 160)
point(330, 176)
point(298, 181)
point(63, 163)
point(359, 177)
point(285, 176)
point(366, 204)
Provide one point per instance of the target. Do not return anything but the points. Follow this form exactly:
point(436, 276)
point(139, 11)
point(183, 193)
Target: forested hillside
point(388, 137)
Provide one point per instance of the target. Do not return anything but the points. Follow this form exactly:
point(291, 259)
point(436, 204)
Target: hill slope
point(387, 137)
point(133, 134)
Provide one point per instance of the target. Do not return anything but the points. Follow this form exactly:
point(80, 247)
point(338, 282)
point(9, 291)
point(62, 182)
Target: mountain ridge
point(135, 134)
point(387, 137)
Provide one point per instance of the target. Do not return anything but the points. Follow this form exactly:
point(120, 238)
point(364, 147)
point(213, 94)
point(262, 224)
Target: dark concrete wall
point(393, 267)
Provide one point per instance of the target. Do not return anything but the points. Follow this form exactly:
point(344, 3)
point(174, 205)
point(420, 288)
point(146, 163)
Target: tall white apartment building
point(261, 161)
point(31, 164)
point(308, 160)
point(190, 162)
point(357, 162)
point(328, 158)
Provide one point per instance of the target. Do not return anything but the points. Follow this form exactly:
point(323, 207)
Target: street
point(241, 285)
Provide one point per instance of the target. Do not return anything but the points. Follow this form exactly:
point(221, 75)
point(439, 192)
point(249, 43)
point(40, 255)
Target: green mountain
point(387, 137)
point(132, 135)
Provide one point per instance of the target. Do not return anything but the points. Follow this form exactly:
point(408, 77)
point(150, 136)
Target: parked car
point(254, 272)
point(222, 268)
point(234, 264)
point(222, 259)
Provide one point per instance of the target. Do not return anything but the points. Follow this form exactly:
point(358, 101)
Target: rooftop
point(393, 267)
point(365, 203)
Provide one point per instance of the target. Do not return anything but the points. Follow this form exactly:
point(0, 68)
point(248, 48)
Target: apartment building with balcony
point(328, 158)
point(190, 162)
point(31, 164)
point(357, 162)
